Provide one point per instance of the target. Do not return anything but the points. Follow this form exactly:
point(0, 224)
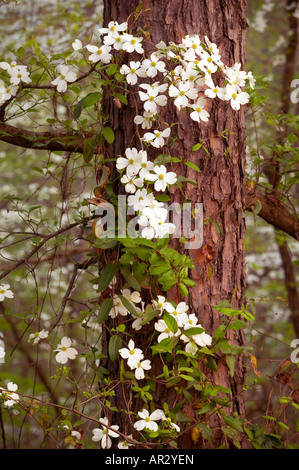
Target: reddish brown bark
point(221, 182)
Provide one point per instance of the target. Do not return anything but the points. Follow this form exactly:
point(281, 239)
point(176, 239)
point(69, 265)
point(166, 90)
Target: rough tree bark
point(221, 183)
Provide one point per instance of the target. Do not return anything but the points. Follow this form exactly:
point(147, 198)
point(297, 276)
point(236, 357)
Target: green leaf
point(107, 275)
point(154, 270)
point(108, 134)
point(162, 197)
point(193, 166)
point(88, 100)
point(129, 306)
point(149, 314)
point(183, 289)
point(283, 425)
point(234, 423)
point(112, 69)
point(166, 345)
point(211, 363)
point(114, 347)
point(90, 146)
point(244, 313)
point(196, 147)
point(183, 179)
point(196, 330)
point(205, 431)
point(207, 408)
point(91, 99)
point(182, 418)
point(292, 138)
point(104, 310)
point(217, 226)
point(105, 243)
point(230, 361)
point(187, 377)
point(131, 280)
point(170, 322)
point(121, 98)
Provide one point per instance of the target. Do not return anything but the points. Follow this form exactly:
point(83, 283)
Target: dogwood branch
point(273, 211)
point(48, 140)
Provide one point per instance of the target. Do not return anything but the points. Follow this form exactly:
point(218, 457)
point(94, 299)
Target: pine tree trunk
point(220, 183)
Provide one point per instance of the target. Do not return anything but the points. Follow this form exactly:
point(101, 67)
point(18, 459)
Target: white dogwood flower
point(114, 28)
point(153, 65)
point(132, 354)
point(132, 44)
point(101, 53)
point(161, 303)
point(77, 45)
point(131, 183)
point(132, 161)
point(182, 92)
point(179, 312)
point(7, 92)
point(19, 75)
point(214, 91)
point(146, 120)
point(118, 308)
point(148, 421)
point(235, 96)
point(104, 433)
point(156, 138)
point(65, 351)
point(140, 200)
point(161, 177)
point(5, 292)
point(199, 113)
point(132, 72)
point(152, 99)
point(65, 76)
point(141, 367)
point(35, 338)
point(133, 296)
point(164, 331)
point(125, 444)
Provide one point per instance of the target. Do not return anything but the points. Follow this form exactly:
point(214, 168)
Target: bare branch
point(273, 211)
point(48, 140)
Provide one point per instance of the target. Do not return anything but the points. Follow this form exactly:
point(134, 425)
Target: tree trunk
point(221, 183)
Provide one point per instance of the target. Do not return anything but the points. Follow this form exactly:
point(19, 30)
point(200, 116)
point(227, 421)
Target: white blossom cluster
point(186, 78)
point(9, 395)
point(141, 171)
point(17, 74)
point(135, 356)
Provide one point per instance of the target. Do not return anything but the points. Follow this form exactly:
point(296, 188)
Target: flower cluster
point(135, 360)
point(140, 172)
point(149, 421)
point(184, 322)
point(9, 395)
point(17, 74)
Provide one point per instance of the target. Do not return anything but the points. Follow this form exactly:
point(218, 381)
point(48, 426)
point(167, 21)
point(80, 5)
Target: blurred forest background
point(42, 193)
